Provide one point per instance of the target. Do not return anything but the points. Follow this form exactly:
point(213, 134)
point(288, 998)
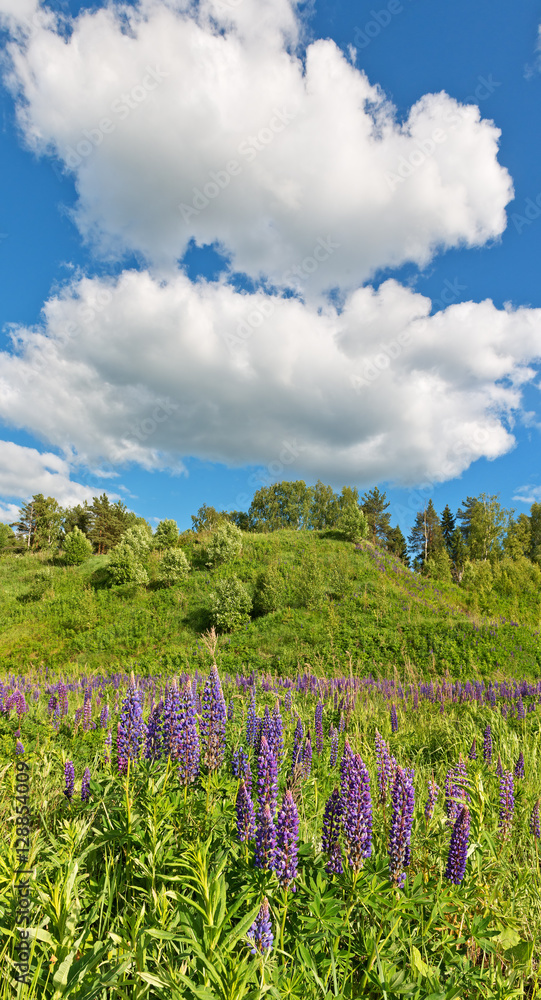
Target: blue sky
point(219, 434)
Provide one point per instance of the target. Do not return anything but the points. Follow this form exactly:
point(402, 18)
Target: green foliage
point(438, 566)
point(230, 604)
point(483, 526)
point(76, 547)
point(375, 506)
point(311, 587)
point(207, 518)
point(352, 523)
point(138, 539)
point(166, 534)
point(269, 592)
point(174, 567)
point(224, 545)
point(125, 567)
point(7, 536)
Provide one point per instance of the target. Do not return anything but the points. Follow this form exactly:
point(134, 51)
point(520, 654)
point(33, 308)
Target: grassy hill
point(340, 607)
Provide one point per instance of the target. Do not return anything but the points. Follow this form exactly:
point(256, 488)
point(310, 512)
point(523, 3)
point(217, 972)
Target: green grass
point(371, 610)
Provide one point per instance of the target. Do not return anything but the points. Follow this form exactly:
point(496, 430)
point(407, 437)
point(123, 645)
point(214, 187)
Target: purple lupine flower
point(307, 756)
point(473, 751)
point(188, 743)
point(77, 717)
point(296, 753)
point(19, 747)
point(240, 766)
point(433, 790)
point(230, 711)
point(342, 723)
point(62, 692)
point(330, 838)
point(287, 701)
point(333, 756)
point(394, 718)
point(130, 730)
point(261, 930)
point(519, 766)
point(235, 763)
point(265, 840)
point(85, 785)
point(319, 727)
point(403, 799)
point(487, 745)
point(69, 777)
point(499, 767)
point(278, 733)
point(170, 723)
point(87, 710)
point(104, 716)
point(458, 847)
point(53, 702)
point(108, 742)
point(535, 825)
point(507, 803)
point(153, 742)
point(251, 722)
point(213, 721)
point(267, 778)
point(357, 812)
point(287, 835)
point(245, 814)
point(521, 714)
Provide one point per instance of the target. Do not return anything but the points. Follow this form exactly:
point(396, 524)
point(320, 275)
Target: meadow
point(205, 833)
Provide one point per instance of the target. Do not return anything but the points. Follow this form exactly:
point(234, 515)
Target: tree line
point(480, 530)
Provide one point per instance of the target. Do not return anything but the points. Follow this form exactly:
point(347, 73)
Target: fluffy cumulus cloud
point(207, 125)
point(213, 124)
point(26, 471)
point(144, 370)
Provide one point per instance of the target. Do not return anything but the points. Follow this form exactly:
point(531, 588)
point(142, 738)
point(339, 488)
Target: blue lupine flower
point(403, 799)
point(458, 848)
point(261, 930)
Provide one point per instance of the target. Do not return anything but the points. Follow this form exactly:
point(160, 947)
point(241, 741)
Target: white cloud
point(151, 117)
point(26, 471)
point(528, 494)
point(147, 371)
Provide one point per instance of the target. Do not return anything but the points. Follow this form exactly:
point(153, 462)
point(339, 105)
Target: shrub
point(352, 523)
point(224, 545)
point(230, 604)
point(138, 539)
point(125, 567)
point(269, 592)
point(174, 566)
point(76, 547)
point(166, 534)
point(310, 589)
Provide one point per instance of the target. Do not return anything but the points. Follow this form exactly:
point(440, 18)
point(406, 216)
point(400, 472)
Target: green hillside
point(335, 605)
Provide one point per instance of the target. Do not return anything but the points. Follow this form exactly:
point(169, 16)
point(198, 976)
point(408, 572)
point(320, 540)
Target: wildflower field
point(208, 836)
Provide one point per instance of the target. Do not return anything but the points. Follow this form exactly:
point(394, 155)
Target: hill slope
point(338, 604)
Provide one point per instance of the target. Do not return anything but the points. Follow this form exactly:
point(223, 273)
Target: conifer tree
point(448, 525)
point(374, 505)
point(396, 543)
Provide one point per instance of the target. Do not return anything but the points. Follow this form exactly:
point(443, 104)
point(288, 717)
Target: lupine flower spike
point(357, 816)
point(245, 815)
point(287, 835)
point(433, 790)
point(69, 777)
point(487, 745)
point(519, 766)
point(535, 825)
point(458, 848)
point(403, 799)
point(330, 839)
point(85, 785)
point(507, 803)
point(261, 930)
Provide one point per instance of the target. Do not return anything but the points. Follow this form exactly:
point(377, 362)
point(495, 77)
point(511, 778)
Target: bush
point(138, 539)
point(311, 589)
point(225, 544)
point(166, 534)
point(269, 592)
point(125, 567)
point(230, 604)
point(76, 547)
point(174, 566)
point(352, 523)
